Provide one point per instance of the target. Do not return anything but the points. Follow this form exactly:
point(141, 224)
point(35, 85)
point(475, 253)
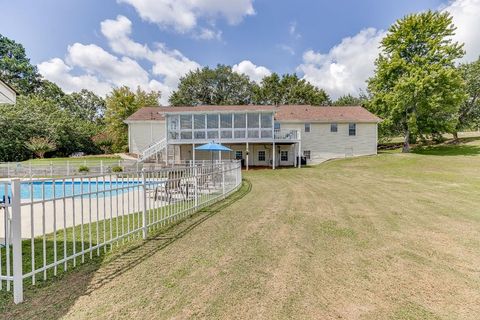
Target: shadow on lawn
point(53, 299)
point(451, 149)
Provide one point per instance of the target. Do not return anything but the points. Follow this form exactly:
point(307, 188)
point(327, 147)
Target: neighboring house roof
point(303, 113)
point(7, 93)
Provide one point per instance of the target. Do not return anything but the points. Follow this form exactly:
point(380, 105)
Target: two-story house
point(259, 135)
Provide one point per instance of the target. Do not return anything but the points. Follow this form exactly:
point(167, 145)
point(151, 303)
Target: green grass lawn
point(393, 236)
point(87, 159)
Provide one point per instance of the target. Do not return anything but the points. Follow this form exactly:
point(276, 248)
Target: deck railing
point(48, 226)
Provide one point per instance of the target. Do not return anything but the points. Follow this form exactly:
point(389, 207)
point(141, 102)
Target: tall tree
point(288, 89)
point(219, 86)
point(469, 112)
point(15, 67)
point(88, 106)
point(120, 104)
point(416, 88)
point(349, 100)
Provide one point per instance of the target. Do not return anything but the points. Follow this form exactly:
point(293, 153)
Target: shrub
point(117, 169)
point(83, 169)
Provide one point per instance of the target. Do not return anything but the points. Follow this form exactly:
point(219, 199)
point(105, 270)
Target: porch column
point(273, 154)
point(220, 155)
point(193, 154)
point(295, 156)
point(247, 152)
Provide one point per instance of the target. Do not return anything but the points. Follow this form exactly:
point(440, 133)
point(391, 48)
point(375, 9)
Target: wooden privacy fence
point(50, 225)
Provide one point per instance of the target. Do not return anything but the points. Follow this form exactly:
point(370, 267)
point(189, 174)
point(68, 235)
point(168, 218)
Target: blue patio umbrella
point(212, 146)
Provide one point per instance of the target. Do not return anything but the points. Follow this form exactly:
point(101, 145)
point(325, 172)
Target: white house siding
point(7, 95)
point(324, 144)
point(141, 134)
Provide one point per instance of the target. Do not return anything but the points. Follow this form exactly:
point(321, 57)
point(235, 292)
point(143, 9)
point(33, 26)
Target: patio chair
point(171, 188)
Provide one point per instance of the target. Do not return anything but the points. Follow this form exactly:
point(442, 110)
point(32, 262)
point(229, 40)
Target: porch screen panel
point(212, 135)
point(226, 126)
point(267, 120)
point(240, 121)
point(186, 122)
point(212, 121)
point(253, 121)
point(199, 121)
point(173, 126)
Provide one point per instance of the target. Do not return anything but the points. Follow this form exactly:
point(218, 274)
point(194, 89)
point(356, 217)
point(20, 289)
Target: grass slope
point(394, 236)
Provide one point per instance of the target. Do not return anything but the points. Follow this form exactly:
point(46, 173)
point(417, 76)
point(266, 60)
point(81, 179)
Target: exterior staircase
point(152, 150)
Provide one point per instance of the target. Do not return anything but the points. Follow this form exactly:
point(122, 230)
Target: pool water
point(49, 189)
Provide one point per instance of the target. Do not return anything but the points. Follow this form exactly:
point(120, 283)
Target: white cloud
point(292, 30)
point(287, 49)
point(57, 71)
point(168, 64)
point(256, 73)
point(346, 67)
point(183, 15)
point(100, 70)
point(208, 34)
point(466, 17)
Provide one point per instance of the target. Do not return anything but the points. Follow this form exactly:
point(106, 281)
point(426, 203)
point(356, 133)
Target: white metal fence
point(64, 168)
point(50, 225)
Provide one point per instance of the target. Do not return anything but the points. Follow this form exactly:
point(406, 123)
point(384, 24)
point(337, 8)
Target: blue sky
point(152, 43)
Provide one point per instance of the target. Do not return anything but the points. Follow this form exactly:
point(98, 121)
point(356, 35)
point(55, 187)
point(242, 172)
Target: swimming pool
point(57, 189)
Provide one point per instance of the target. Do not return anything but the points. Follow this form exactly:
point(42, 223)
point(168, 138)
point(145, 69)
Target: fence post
point(223, 179)
point(16, 229)
point(195, 174)
point(144, 207)
point(101, 166)
point(68, 168)
point(51, 169)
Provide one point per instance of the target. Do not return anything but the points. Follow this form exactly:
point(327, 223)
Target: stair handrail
point(153, 149)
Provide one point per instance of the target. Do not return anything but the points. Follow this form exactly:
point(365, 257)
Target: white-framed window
point(276, 126)
point(261, 155)
point(238, 155)
point(307, 154)
point(333, 127)
point(284, 155)
point(307, 127)
point(352, 129)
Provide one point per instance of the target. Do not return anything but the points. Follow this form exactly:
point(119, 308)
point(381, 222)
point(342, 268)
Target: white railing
point(287, 135)
point(48, 226)
point(153, 150)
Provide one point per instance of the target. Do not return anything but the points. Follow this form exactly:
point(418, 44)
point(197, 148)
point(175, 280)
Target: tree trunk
point(455, 136)
point(406, 142)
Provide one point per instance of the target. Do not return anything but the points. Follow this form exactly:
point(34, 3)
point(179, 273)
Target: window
point(307, 127)
point(284, 155)
point(277, 126)
point(186, 122)
point(240, 121)
point(333, 127)
point(199, 121)
point(212, 121)
point(266, 120)
point(199, 135)
point(253, 134)
point(352, 129)
point(226, 120)
point(212, 135)
point(186, 135)
point(239, 134)
point(226, 134)
point(238, 155)
point(307, 154)
point(266, 133)
point(253, 121)
point(261, 155)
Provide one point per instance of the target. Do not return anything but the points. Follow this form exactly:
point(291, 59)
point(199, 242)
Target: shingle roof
point(282, 113)
point(324, 114)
